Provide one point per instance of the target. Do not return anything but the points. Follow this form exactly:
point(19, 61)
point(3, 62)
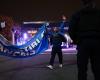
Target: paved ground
point(34, 68)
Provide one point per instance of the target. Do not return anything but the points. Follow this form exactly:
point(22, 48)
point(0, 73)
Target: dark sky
point(39, 9)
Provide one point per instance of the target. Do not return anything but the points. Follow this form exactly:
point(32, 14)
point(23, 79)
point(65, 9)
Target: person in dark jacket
point(84, 29)
point(56, 39)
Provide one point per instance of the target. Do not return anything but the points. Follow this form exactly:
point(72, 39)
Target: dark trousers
point(88, 51)
point(58, 51)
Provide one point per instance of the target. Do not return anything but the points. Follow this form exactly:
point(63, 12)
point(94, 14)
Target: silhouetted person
point(84, 30)
point(56, 39)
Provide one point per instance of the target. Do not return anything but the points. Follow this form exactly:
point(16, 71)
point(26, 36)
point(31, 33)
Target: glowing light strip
point(35, 22)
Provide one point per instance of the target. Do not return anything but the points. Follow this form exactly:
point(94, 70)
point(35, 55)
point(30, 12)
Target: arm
point(51, 39)
point(73, 24)
point(63, 38)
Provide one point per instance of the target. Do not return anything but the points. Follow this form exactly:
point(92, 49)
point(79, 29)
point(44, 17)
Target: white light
point(32, 32)
point(25, 36)
point(34, 22)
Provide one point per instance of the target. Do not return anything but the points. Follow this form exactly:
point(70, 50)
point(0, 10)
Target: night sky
point(33, 10)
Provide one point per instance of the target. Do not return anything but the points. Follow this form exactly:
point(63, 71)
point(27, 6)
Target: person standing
point(56, 39)
point(84, 29)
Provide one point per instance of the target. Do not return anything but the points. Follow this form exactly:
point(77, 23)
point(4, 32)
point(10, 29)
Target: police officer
point(84, 30)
